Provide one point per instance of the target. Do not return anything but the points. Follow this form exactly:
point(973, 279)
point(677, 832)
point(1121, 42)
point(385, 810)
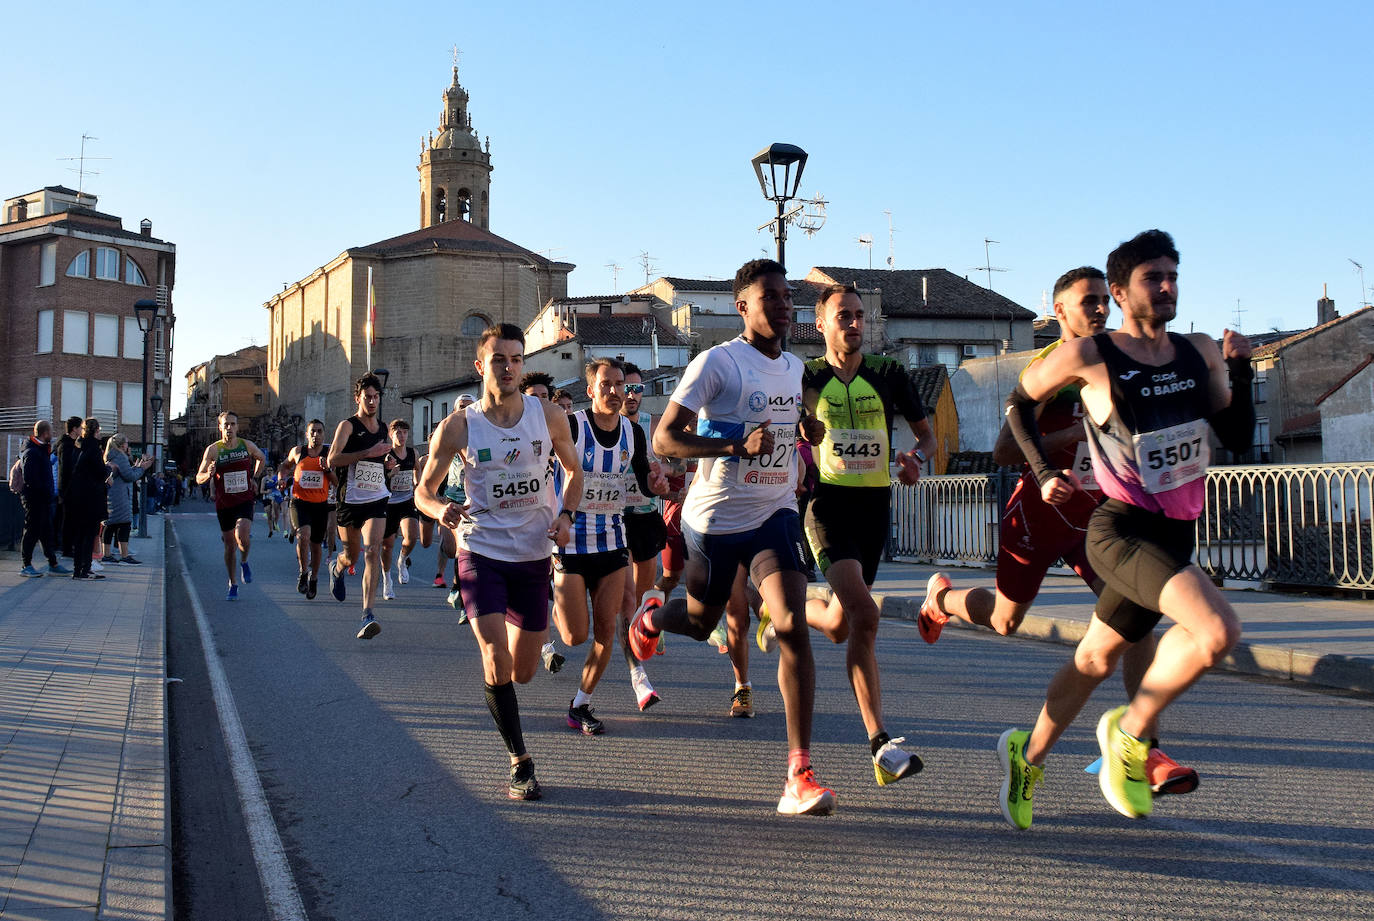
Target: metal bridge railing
point(1304, 525)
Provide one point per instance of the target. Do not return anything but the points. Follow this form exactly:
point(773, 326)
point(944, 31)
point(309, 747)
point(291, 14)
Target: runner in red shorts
point(1036, 535)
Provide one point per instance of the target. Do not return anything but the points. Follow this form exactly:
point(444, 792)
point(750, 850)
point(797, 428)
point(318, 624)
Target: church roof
point(449, 237)
point(947, 294)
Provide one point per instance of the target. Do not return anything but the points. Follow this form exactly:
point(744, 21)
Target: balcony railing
point(1303, 525)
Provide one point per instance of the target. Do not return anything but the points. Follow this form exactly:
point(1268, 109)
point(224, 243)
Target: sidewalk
point(83, 742)
point(1306, 638)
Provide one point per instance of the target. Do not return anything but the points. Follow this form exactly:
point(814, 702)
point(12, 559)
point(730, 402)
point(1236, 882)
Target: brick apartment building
point(69, 336)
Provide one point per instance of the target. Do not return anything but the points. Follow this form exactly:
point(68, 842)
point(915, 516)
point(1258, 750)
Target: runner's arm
point(207, 465)
point(673, 440)
point(566, 452)
point(1040, 381)
point(1233, 407)
point(450, 437)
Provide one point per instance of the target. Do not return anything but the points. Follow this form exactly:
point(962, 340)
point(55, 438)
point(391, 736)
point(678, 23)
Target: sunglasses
point(634, 388)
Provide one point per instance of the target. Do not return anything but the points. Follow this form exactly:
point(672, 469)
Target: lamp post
point(779, 189)
point(145, 311)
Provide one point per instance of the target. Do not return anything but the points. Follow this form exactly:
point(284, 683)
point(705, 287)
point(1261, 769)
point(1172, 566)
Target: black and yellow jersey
point(858, 418)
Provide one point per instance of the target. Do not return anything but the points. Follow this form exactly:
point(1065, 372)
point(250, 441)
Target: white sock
point(582, 698)
point(637, 673)
point(747, 684)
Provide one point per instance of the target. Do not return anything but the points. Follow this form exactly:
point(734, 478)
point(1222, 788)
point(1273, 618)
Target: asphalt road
point(386, 780)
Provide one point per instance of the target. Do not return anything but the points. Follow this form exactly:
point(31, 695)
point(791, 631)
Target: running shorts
point(355, 516)
point(1035, 535)
point(231, 516)
point(592, 567)
point(714, 559)
point(674, 556)
point(312, 515)
point(645, 534)
point(1136, 551)
point(395, 513)
point(849, 523)
point(519, 590)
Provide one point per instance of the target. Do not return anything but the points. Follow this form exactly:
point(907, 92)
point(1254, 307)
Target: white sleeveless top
point(509, 491)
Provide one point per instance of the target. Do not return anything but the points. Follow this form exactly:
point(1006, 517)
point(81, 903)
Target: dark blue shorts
point(490, 586)
point(713, 559)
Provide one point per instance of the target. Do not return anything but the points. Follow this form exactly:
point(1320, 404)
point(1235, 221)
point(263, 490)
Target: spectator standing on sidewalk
point(86, 498)
point(119, 504)
point(37, 498)
point(65, 450)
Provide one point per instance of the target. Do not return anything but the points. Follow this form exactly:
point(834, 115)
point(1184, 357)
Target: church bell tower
point(455, 171)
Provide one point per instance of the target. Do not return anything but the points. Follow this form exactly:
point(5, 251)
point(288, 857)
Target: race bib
point(312, 479)
point(1083, 466)
point(508, 489)
point(857, 450)
point(770, 469)
point(602, 493)
point(369, 473)
point(236, 481)
point(1171, 457)
point(403, 481)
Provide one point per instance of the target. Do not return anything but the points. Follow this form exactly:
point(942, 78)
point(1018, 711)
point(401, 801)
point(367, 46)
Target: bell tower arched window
point(440, 205)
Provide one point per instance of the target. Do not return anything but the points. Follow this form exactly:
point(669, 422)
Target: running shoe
point(1168, 776)
point(553, 660)
point(803, 796)
point(455, 599)
point(891, 763)
point(1019, 778)
point(368, 627)
point(767, 637)
point(131, 561)
point(403, 570)
point(109, 558)
point(302, 582)
point(720, 637)
point(522, 782)
point(96, 566)
point(931, 620)
point(29, 572)
point(581, 718)
point(439, 581)
point(245, 572)
point(645, 695)
point(1122, 777)
point(337, 588)
point(233, 594)
point(58, 569)
point(742, 703)
point(642, 645)
point(388, 590)
point(662, 647)
point(311, 588)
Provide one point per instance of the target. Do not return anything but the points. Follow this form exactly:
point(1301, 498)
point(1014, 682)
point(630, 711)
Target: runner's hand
point(377, 450)
point(560, 532)
point(759, 441)
point(1060, 489)
point(658, 480)
point(454, 513)
point(908, 468)
point(1234, 345)
point(812, 428)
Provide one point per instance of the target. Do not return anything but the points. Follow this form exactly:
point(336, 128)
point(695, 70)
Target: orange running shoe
point(642, 645)
point(803, 796)
point(1168, 776)
point(931, 620)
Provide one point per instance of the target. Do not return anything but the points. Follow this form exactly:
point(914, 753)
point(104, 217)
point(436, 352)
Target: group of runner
point(540, 502)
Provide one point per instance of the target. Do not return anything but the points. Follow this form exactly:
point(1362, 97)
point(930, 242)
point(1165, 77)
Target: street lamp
point(145, 311)
point(779, 190)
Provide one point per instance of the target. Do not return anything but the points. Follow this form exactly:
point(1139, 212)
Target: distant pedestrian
point(86, 498)
point(38, 497)
point(119, 500)
point(65, 449)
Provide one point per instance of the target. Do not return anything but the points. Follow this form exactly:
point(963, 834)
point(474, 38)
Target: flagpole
point(371, 318)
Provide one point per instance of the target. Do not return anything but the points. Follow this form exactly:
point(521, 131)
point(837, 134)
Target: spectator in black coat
point(65, 449)
point(86, 497)
point(37, 499)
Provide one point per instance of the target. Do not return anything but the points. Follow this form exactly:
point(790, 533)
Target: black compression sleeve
point(1235, 422)
point(1021, 421)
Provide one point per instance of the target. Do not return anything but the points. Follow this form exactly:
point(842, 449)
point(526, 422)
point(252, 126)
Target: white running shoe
point(645, 695)
point(97, 566)
point(388, 591)
point(402, 570)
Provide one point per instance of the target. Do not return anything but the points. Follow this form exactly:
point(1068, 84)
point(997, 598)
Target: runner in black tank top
point(401, 515)
point(1149, 457)
point(360, 445)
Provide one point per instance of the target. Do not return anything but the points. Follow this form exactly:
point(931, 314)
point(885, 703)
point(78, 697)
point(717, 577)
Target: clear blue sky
point(264, 139)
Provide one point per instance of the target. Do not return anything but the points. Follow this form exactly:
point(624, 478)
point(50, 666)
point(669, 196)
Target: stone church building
point(434, 289)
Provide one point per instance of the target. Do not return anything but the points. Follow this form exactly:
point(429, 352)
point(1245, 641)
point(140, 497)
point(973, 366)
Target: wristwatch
point(571, 516)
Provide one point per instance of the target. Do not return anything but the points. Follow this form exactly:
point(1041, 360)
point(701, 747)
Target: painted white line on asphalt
point(278, 886)
point(1349, 879)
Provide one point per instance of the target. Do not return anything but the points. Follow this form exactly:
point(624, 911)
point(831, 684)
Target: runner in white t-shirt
point(745, 399)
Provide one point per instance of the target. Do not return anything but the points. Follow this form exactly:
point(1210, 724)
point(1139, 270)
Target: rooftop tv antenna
point(866, 241)
point(988, 267)
point(1364, 301)
point(811, 217)
point(891, 262)
point(615, 276)
point(647, 262)
point(1239, 310)
point(81, 170)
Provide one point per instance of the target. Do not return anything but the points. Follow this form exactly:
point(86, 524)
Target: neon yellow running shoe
point(1019, 778)
point(767, 637)
point(1122, 777)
